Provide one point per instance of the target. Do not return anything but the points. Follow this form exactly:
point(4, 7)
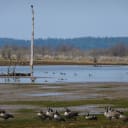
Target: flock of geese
point(50, 114)
point(109, 113)
point(55, 115)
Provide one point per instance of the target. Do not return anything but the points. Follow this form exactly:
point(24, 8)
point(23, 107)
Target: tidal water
point(70, 74)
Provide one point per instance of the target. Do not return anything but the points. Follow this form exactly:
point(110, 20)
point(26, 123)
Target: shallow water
point(70, 74)
point(46, 94)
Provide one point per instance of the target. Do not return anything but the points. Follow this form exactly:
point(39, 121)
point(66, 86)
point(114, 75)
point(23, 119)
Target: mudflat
point(34, 96)
point(59, 92)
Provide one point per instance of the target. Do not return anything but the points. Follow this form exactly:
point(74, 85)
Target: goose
point(75, 74)
point(90, 117)
point(45, 81)
point(111, 113)
point(67, 111)
point(123, 117)
point(70, 114)
point(58, 117)
point(5, 115)
point(42, 115)
point(50, 113)
point(53, 73)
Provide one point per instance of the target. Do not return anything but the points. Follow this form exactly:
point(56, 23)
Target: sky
point(64, 18)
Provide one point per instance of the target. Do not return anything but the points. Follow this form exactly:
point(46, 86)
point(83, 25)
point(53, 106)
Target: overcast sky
point(64, 18)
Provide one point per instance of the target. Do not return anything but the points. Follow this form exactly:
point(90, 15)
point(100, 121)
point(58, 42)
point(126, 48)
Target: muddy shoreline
point(59, 62)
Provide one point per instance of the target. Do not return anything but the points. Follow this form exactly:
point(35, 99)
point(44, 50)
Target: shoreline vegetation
point(4, 62)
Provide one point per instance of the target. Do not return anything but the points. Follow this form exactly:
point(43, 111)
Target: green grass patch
point(104, 86)
point(25, 110)
point(115, 102)
point(29, 122)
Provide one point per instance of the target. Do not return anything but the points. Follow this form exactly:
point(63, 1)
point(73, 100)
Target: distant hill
point(83, 43)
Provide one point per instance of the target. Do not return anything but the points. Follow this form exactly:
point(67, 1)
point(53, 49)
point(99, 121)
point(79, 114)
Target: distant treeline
point(83, 43)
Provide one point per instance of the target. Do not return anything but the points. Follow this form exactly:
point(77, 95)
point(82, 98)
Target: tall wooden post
point(32, 43)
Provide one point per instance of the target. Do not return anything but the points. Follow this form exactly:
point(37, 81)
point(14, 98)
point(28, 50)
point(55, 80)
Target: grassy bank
point(60, 62)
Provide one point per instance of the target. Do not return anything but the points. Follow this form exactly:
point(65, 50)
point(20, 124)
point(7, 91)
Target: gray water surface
point(47, 94)
point(71, 74)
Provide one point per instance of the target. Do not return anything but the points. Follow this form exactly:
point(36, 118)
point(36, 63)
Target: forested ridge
point(83, 43)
